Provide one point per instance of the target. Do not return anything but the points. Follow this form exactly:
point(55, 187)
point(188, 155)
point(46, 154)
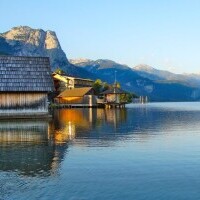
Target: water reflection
point(38, 147)
point(139, 123)
point(103, 154)
point(23, 131)
point(26, 147)
point(87, 123)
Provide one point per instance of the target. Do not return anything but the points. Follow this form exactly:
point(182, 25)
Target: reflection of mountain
point(25, 147)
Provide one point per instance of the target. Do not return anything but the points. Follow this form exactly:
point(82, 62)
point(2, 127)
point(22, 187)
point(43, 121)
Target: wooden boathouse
point(25, 83)
point(77, 97)
point(112, 98)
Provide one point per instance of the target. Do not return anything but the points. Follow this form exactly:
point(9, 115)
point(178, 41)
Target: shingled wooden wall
point(23, 102)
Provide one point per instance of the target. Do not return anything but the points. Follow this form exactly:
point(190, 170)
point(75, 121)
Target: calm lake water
point(142, 152)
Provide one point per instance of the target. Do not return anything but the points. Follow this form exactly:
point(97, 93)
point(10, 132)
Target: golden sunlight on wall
point(72, 100)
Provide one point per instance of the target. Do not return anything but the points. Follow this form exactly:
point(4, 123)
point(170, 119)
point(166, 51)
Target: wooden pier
point(76, 106)
point(99, 105)
point(25, 116)
point(114, 105)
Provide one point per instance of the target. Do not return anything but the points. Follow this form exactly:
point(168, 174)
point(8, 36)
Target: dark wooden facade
point(24, 85)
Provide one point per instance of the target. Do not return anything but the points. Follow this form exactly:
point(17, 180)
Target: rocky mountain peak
point(78, 61)
point(51, 40)
point(26, 41)
point(143, 67)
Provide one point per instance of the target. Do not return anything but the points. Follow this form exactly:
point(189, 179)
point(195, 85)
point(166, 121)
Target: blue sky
point(164, 34)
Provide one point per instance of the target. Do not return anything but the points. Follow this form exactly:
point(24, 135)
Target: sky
point(164, 34)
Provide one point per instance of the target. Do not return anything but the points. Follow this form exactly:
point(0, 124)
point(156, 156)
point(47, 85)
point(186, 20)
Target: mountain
point(156, 87)
point(26, 41)
point(79, 61)
point(165, 76)
point(143, 80)
point(154, 74)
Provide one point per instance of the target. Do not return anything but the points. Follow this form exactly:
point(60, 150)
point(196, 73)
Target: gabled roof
point(20, 74)
point(64, 77)
point(114, 90)
point(76, 92)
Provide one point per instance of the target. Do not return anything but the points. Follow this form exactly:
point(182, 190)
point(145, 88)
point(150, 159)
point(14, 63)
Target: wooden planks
point(23, 102)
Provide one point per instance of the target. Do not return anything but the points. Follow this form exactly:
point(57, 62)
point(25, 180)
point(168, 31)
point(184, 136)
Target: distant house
point(63, 82)
point(24, 85)
point(113, 97)
point(84, 96)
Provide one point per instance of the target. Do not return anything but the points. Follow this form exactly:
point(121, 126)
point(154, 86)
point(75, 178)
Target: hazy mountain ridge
point(163, 75)
point(152, 84)
point(79, 61)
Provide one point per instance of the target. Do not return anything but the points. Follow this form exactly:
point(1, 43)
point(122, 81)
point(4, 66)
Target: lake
point(146, 151)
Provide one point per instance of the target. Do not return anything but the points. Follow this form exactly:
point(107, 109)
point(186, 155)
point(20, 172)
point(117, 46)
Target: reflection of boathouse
point(27, 147)
point(78, 123)
point(24, 85)
point(23, 131)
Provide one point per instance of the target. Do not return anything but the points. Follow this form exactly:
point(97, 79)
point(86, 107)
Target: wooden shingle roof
point(23, 74)
point(76, 92)
point(114, 90)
